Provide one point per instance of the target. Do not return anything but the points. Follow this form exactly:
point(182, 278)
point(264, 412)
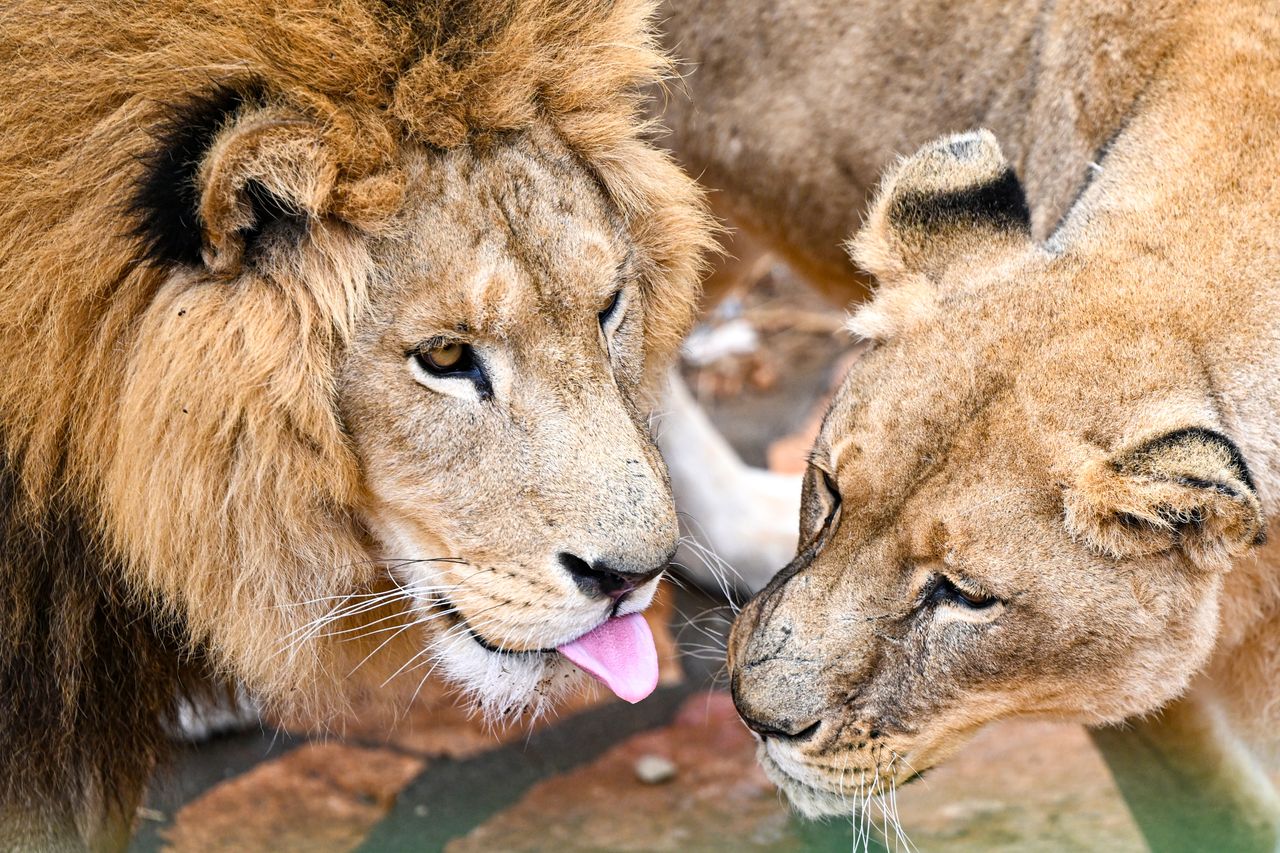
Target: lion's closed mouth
point(453, 612)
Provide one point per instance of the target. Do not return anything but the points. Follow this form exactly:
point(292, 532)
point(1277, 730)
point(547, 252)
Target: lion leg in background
point(1190, 783)
point(745, 516)
point(729, 511)
point(200, 719)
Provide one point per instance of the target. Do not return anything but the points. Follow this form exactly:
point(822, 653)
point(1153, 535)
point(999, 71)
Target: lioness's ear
point(1189, 488)
point(225, 173)
point(955, 195)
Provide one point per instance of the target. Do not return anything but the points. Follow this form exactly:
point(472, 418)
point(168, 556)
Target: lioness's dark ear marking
point(954, 196)
point(165, 204)
point(1192, 437)
point(998, 202)
point(1189, 488)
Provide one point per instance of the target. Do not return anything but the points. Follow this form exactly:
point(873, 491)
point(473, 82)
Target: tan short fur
point(1069, 412)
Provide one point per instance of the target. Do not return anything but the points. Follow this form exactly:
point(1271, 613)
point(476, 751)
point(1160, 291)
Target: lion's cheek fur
point(502, 687)
point(229, 487)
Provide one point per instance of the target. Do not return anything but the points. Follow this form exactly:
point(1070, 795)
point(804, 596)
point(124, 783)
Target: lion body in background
point(212, 218)
point(849, 86)
point(1120, 324)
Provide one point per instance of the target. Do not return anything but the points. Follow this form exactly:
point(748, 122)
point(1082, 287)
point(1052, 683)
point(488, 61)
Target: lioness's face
point(1005, 513)
point(493, 396)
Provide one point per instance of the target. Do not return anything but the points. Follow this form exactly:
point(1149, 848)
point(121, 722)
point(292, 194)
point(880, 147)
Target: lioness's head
point(1022, 501)
point(342, 323)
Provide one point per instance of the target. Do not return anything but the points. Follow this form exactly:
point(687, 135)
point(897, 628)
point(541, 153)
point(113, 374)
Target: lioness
point(327, 333)
point(1045, 489)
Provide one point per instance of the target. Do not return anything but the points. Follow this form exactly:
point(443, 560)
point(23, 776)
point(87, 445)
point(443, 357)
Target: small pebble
point(654, 769)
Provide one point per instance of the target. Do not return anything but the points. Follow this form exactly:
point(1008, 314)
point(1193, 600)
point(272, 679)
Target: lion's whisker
point(400, 630)
point(717, 567)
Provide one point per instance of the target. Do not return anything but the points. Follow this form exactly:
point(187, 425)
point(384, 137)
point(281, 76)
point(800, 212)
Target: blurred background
point(674, 773)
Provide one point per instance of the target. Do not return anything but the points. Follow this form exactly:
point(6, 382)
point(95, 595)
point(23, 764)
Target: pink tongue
point(621, 654)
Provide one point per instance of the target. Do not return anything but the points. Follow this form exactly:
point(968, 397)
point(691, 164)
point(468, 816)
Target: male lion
point(327, 335)
point(1044, 489)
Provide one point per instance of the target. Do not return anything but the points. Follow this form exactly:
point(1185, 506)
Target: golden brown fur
point(225, 229)
point(1069, 412)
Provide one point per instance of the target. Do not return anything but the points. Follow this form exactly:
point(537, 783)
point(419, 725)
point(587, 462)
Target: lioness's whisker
point(693, 623)
point(724, 564)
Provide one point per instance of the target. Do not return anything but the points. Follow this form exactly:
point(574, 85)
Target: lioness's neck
point(1185, 204)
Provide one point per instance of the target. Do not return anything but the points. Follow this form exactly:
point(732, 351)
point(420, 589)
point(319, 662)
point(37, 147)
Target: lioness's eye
point(946, 590)
point(819, 503)
point(609, 312)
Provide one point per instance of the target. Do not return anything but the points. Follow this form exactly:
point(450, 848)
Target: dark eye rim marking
point(833, 491)
point(945, 590)
point(468, 366)
point(817, 535)
point(608, 313)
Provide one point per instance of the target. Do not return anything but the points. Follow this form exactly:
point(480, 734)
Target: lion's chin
point(504, 686)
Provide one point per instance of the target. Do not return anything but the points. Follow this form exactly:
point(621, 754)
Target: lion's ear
point(956, 195)
point(1188, 489)
point(225, 174)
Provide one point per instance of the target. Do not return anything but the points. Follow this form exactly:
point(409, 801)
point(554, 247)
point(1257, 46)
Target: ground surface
point(439, 781)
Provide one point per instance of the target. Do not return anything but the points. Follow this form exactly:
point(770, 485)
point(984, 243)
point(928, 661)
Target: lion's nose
point(600, 579)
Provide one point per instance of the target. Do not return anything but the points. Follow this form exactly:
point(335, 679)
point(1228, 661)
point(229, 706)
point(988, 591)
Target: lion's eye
point(946, 590)
point(445, 359)
point(610, 312)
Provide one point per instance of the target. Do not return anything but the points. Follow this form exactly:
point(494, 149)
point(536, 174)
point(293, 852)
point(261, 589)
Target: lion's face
point(1005, 514)
point(493, 395)
point(380, 420)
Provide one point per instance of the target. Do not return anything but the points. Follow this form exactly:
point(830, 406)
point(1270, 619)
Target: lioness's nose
point(601, 579)
point(784, 728)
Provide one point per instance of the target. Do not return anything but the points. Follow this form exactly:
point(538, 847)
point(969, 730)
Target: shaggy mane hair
point(166, 516)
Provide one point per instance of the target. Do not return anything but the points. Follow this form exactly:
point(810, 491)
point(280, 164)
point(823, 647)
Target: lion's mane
point(173, 493)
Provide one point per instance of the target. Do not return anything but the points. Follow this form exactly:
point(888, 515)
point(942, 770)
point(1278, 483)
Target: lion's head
point(340, 321)
point(1022, 501)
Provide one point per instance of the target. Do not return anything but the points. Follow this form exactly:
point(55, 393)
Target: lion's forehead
point(492, 242)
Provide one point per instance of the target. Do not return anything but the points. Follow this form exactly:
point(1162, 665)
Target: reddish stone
point(326, 796)
point(320, 798)
point(718, 800)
